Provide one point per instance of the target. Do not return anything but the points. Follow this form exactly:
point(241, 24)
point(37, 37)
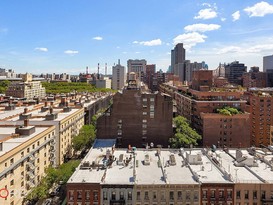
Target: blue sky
point(46, 36)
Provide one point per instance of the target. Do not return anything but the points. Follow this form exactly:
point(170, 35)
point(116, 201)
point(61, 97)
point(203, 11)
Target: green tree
point(184, 134)
point(52, 175)
point(85, 138)
point(4, 85)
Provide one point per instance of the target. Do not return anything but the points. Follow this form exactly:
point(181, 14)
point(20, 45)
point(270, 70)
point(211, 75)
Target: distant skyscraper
point(179, 53)
point(178, 56)
point(138, 67)
point(234, 72)
point(118, 78)
point(268, 68)
point(267, 63)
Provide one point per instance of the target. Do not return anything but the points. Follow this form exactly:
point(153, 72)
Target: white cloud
point(98, 38)
point(189, 39)
point(155, 42)
point(202, 27)
point(223, 19)
point(229, 49)
point(137, 52)
point(41, 49)
point(208, 13)
point(71, 52)
point(236, 16)
point(260, 9)
point(243, 49)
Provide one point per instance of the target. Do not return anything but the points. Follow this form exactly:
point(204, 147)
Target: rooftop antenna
point(105, 68)
point(86, 69)
point(98, 70)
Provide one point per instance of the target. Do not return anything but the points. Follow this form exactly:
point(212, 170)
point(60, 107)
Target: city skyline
point(66, 36)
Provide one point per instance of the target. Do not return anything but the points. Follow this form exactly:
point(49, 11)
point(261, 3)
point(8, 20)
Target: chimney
point(45, 103)
point(118, 61)
point(25, 110)
point(51, 103)
point(26, 122)
point(50, 110)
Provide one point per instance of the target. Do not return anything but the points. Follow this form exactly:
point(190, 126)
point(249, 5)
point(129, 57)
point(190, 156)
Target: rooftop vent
point(194, 159)
point(85, 165)
point(172, 161)
point(146, 159)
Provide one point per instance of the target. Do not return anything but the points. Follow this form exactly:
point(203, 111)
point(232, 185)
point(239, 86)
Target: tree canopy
point(66, 87)
point(85, 138)
point(4, 85)
point(52, 175)
point(228, 111)
point(184, 134)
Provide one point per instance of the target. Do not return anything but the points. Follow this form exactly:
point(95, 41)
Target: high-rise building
point(137, 117)
point(259, 105)
point(234, 72)
point(150, 73)
point(27, 89)
point(118, 76)
point(268, 68)
point(178, 56)
point(267, 63)
point(138, 67)
point(179, 53)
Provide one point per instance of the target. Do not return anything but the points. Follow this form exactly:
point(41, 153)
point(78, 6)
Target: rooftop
point(108, 165)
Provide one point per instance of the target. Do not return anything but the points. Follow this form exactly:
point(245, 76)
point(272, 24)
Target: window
point(129, 195)
point(138, 195)
point(113, 195)
point(87, 195)
point(254, 194)
point(204, 194)
point(154, 195)
point(104, 195)
point(79, 195)
point(246, 194)
point(95, 196)
point(11, 182)
point(144, 113)
point(171, 195)
point(144, 99)
point(221, 193)
point(179, 195)
point(146, 196)
point(212, 195)
point(121, 195)
point(263, 194)
point(238, 194)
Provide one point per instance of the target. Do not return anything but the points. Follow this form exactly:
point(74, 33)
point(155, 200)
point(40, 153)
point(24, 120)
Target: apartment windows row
point(164, 196)
point(247, 195)
point(79, 195)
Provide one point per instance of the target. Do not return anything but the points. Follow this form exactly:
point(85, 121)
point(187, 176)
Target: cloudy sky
point(46, 36)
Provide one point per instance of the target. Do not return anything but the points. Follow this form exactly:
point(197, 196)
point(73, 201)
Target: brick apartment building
point(199, 106)
point(137, 117)
point(112, 176)
point(259, 105)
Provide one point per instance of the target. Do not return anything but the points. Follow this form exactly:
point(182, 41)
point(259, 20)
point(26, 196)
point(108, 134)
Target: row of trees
point(52, 176)
point(65, 87)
